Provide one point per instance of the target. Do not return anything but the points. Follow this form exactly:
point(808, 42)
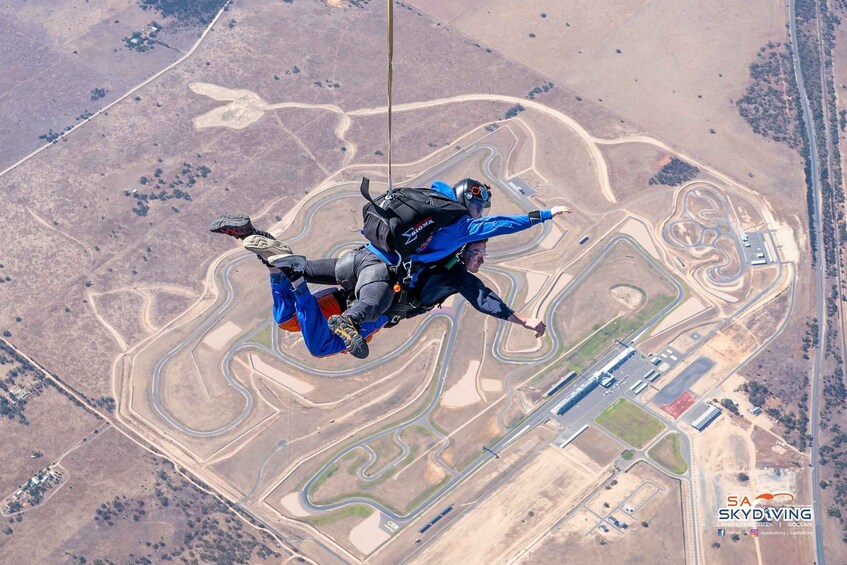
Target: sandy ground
point(491, 385)
point(627, 296)
point(367, 535)
point(787, 242)
point(639, 233)
point(286, 380)
point(579, 539)
point(218, 338)
point(291, 502)
point(687, 309)
point(534, 282)
point(244, 108)
point(552, 238)
point(642, 495)
point(721, 451)
point(525, 506)
point(463, 393)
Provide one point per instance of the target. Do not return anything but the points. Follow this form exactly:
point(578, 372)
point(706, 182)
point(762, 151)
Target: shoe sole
point(266, 248)
point(287, 260)
point(230, 225)
point(353, 340)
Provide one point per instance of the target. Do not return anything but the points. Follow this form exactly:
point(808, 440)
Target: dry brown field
point(47, 413)
point(631, 165)
point(110, 474)
point(522, 508)
point(485, 483)
point(661, 542)
point(466, 445)
point(654, 80)
point(61, 53)
point(345, 482)
point(601, 447)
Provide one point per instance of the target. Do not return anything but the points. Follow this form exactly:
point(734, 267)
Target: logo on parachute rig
point(412, 233)
point(760, 509)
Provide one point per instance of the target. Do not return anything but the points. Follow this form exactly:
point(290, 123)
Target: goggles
point(479, 194)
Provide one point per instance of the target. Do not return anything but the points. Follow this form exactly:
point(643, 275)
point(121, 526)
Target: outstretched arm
point(467, 230)
point(534, 324)
point(486, 301)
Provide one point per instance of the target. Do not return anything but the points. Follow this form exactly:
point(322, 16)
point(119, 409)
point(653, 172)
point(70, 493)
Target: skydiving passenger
point(371, 268)
point(295, 308)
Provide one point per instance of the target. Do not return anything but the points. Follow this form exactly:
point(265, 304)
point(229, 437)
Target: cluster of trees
point(770, 103)
point(187, 12)
point(675, 173)
point(835, 453)
point(810, 340)
point(730, 405)
point(825, 120)
point(11, 406)
point(514, 111)
point(795, 427)
point(546, 87)
point(163, 190)
point(98, 93)
point(52, 136)
point(328, 83)
point(51, 380)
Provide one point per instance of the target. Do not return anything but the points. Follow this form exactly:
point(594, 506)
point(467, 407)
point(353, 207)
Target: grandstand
point(576, 395)
point(558, 386)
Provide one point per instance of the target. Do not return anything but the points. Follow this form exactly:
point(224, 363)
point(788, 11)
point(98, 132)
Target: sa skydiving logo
point(758, 509)
point(412, 233)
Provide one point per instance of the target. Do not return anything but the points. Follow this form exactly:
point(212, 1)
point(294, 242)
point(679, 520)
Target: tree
point(716, 545)
point(743, 477)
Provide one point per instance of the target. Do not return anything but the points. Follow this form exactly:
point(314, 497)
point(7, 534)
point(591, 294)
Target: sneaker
point(292, 266)
point(266, 247)
point(346, 329)
point(236, 225)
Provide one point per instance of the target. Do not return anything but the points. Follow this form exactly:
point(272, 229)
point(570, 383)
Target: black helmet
point(470, 190)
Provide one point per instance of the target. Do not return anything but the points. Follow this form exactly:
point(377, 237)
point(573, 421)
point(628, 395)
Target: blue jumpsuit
point(319, 340)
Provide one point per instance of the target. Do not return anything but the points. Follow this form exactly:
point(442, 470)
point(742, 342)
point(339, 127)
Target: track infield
point(630, 423)
point(666, 453)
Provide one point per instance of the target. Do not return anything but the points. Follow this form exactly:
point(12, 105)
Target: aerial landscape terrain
point(685, 405)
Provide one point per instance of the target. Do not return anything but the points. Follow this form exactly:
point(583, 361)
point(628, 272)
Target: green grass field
point(666, 453)
point(630, 423)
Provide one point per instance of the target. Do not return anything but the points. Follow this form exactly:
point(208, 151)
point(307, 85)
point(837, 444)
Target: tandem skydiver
point(297, 309)
point(372, 270)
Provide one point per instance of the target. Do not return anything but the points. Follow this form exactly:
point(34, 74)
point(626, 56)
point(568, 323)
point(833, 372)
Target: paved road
point(820, 280)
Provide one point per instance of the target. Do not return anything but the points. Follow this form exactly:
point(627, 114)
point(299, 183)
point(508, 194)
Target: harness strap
point(364, 189)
